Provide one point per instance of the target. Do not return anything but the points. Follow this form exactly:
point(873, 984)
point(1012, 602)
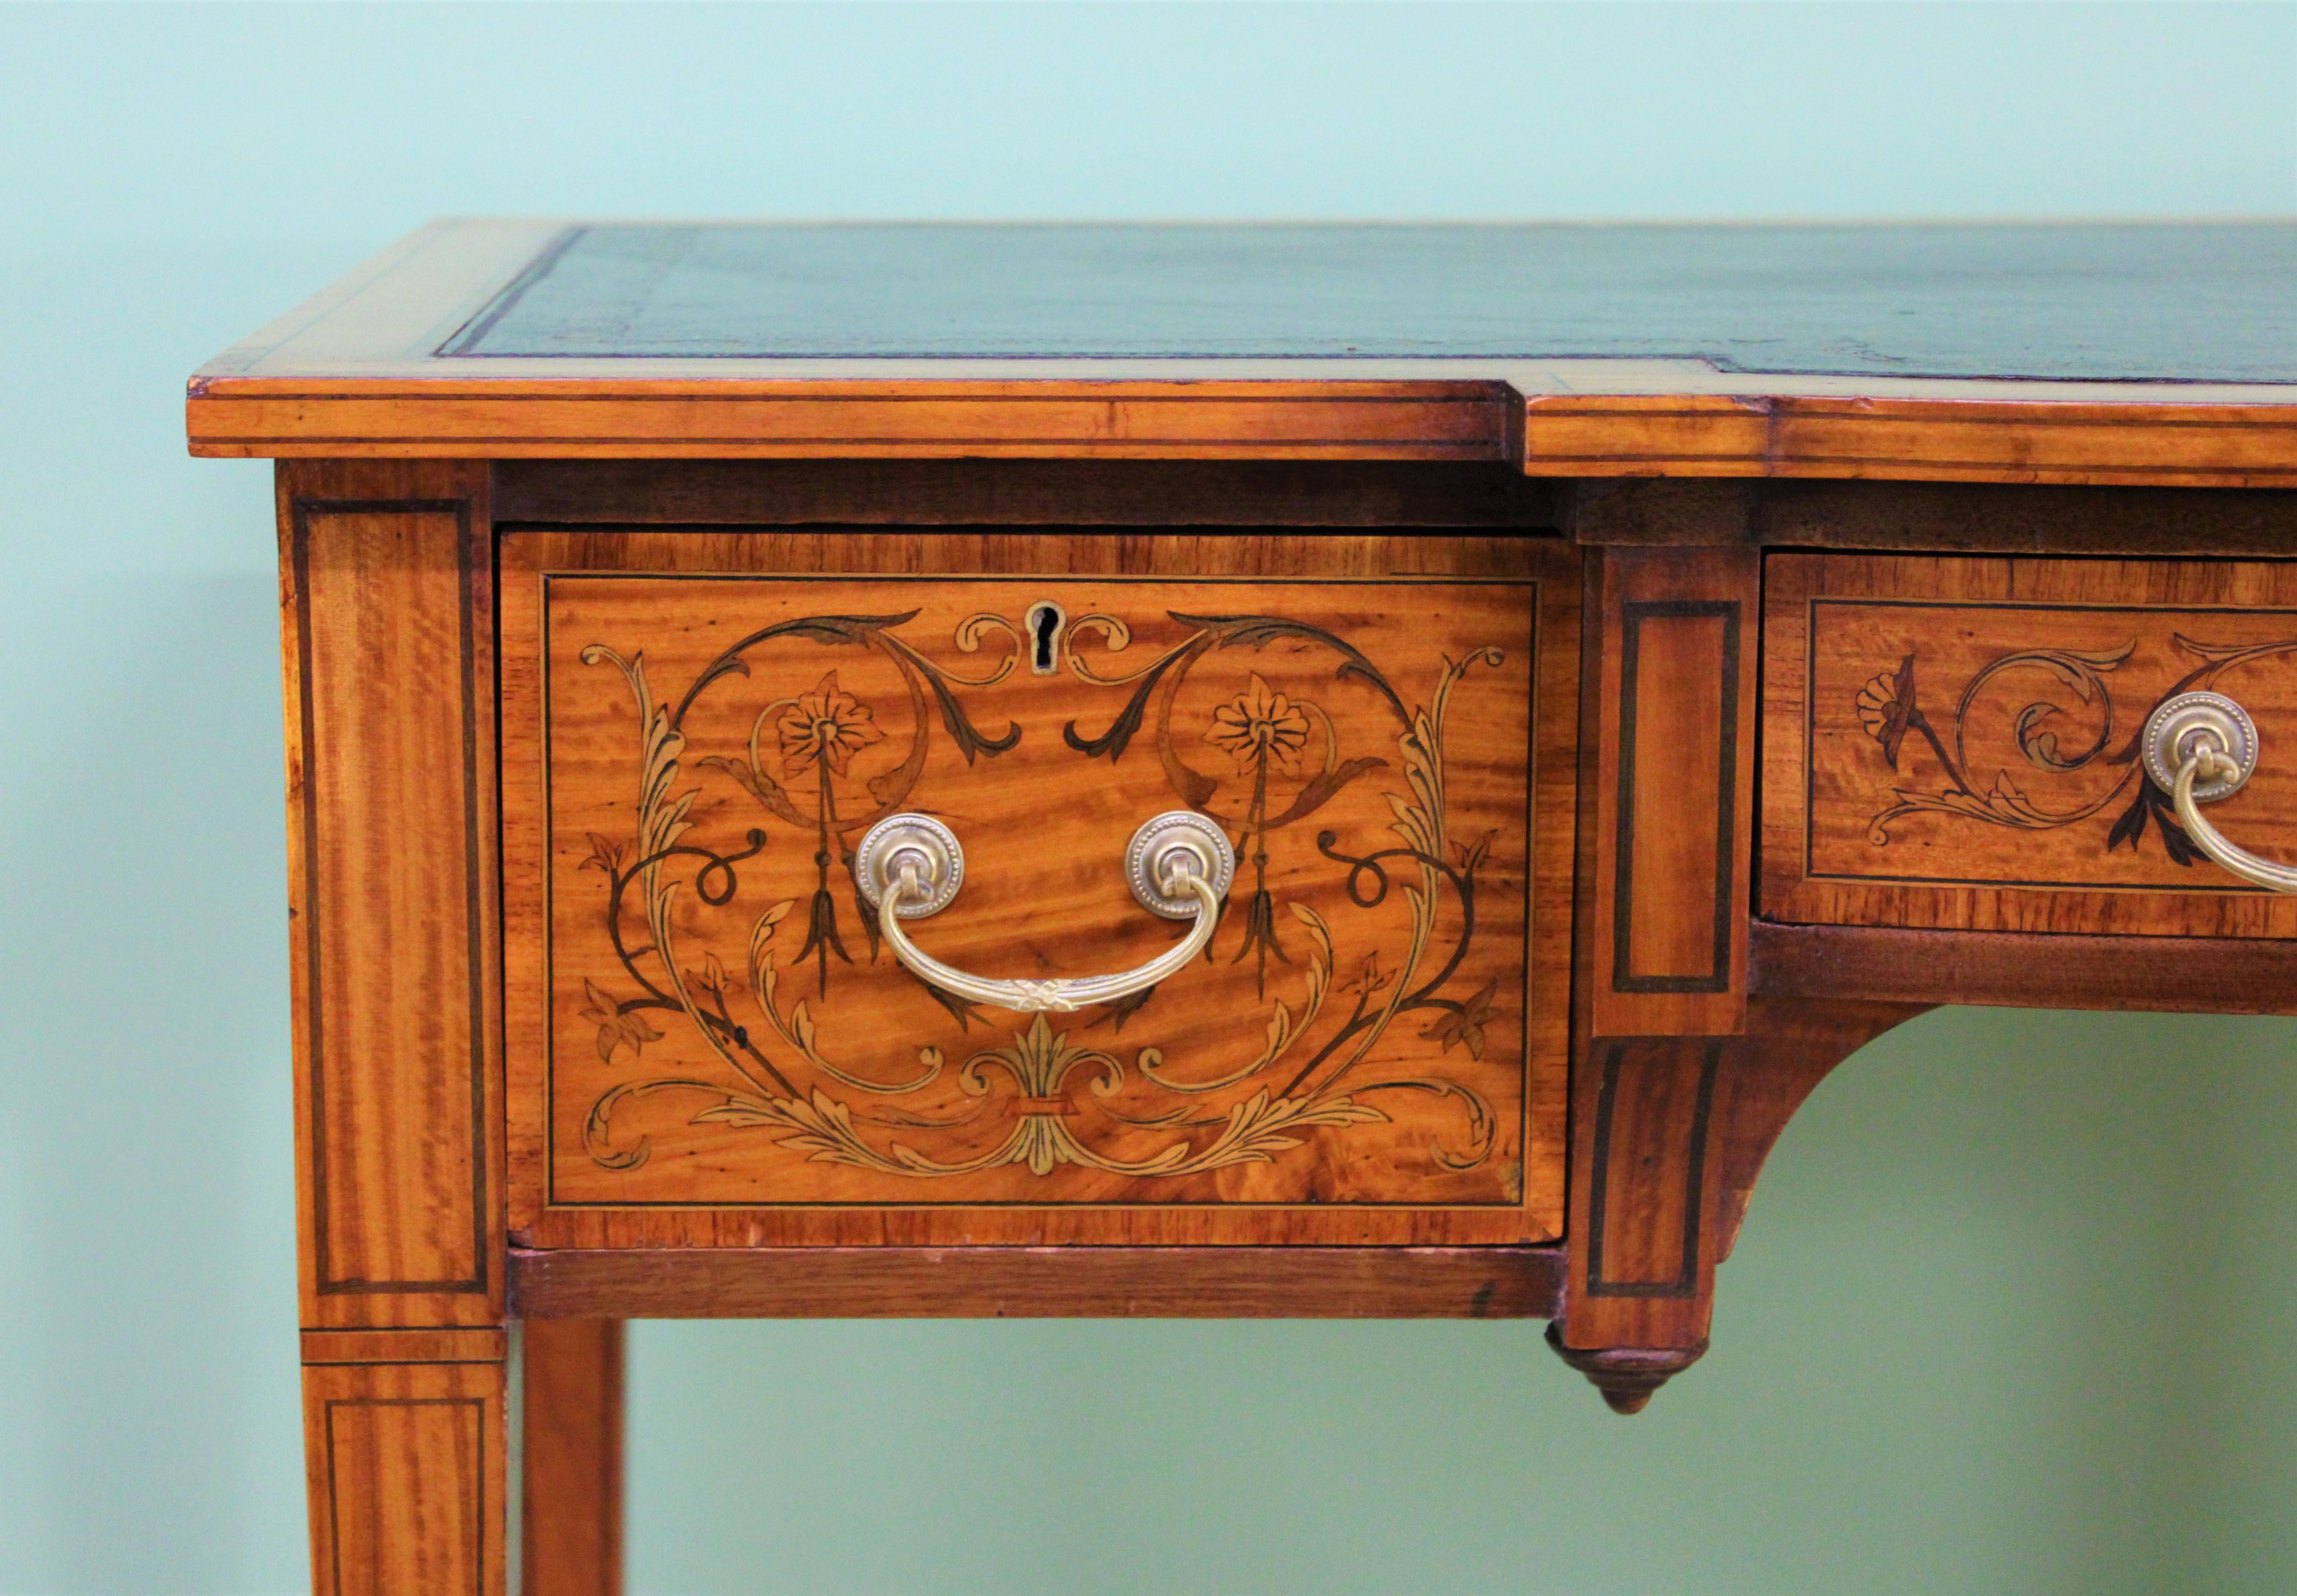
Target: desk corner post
point(387, 628)
point(1681, 1080)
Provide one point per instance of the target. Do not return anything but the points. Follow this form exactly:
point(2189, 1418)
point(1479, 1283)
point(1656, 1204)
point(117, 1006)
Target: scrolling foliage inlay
point(2000, 743)
point(727, 1027)
point(1889, 708)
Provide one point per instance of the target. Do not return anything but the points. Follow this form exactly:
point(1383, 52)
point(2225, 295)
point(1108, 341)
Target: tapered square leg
point(404, 1449)
point(572, 1455)
point(1681, 1078)
point(386, 609)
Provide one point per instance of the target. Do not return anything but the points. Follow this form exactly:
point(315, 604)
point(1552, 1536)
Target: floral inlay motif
point(1258, 727)
point(1888, 711)
point(804, 768)
point(826, 724)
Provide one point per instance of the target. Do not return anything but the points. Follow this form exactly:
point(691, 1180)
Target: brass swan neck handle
point(1180, 864)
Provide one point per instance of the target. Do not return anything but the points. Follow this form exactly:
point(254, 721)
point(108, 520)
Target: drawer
point(711, 1042)
point(1955, 743)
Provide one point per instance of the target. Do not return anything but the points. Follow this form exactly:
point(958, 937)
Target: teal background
point(2016, 1309)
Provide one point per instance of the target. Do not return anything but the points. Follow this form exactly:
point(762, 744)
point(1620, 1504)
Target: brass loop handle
point(2201, 747)
point(910, 865)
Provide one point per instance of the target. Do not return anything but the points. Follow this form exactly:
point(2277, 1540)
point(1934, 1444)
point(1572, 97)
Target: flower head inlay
point(1886, 708)
point(828, 724)
point(1258, 728)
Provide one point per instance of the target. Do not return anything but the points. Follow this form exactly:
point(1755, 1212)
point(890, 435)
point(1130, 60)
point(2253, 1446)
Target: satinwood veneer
point(1627, 680)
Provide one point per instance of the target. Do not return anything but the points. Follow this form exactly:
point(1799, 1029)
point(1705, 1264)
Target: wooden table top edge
point(2166, 441)
point(357, 371)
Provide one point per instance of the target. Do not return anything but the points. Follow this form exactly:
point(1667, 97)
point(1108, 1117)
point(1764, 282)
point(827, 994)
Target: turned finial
point(1627, 1376)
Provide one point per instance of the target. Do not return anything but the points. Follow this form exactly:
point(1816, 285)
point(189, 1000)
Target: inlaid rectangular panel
point(1679, 667)
point(1955, 742)
point(388, 622)
point(1671, 778)
point(720, 1029)
point(407, 1472)
point(1647, 1179)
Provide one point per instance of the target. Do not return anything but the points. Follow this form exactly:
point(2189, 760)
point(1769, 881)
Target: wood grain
point(2007, 694)
point(503, 418)
point(744, 1174)
point(1659, 512)
point(1046, 826)
point(1654, 1099)
point(1670, 1135)
point(1062, 1282)
point(404, 1347)
point(1987, 518)
point(2159, 444)
point(2173, 444)
point(1927, 517)
point(406, 1471)
point(2177, 975)
point(570, 1457)
point(1684, 663)
point(387, 623)
point(1792, 1046)
point(1281, 494)
point(1674, 770)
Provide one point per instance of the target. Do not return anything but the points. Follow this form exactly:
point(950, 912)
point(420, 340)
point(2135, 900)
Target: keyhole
point(1045, 621)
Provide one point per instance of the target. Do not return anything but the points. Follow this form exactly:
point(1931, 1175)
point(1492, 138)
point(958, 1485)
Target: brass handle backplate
point(2201, 747)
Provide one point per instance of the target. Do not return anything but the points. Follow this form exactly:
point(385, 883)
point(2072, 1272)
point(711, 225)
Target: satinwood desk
point(1197, 770)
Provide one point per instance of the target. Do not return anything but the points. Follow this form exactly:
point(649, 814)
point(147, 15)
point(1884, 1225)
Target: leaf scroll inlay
point(822, 762)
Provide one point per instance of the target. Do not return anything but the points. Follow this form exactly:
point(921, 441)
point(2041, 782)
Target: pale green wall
point(2017, 1308)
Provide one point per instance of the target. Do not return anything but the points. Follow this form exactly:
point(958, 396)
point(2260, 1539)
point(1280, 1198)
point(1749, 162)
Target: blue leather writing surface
point(2187, 303)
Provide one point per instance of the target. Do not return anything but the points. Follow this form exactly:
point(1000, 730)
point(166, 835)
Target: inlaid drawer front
point(725, 1028)
point(1957, 741)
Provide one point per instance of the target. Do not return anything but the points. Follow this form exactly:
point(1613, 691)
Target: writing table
point(1202, 770)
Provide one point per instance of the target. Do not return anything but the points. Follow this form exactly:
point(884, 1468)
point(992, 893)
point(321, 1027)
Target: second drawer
point(1955, 742)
